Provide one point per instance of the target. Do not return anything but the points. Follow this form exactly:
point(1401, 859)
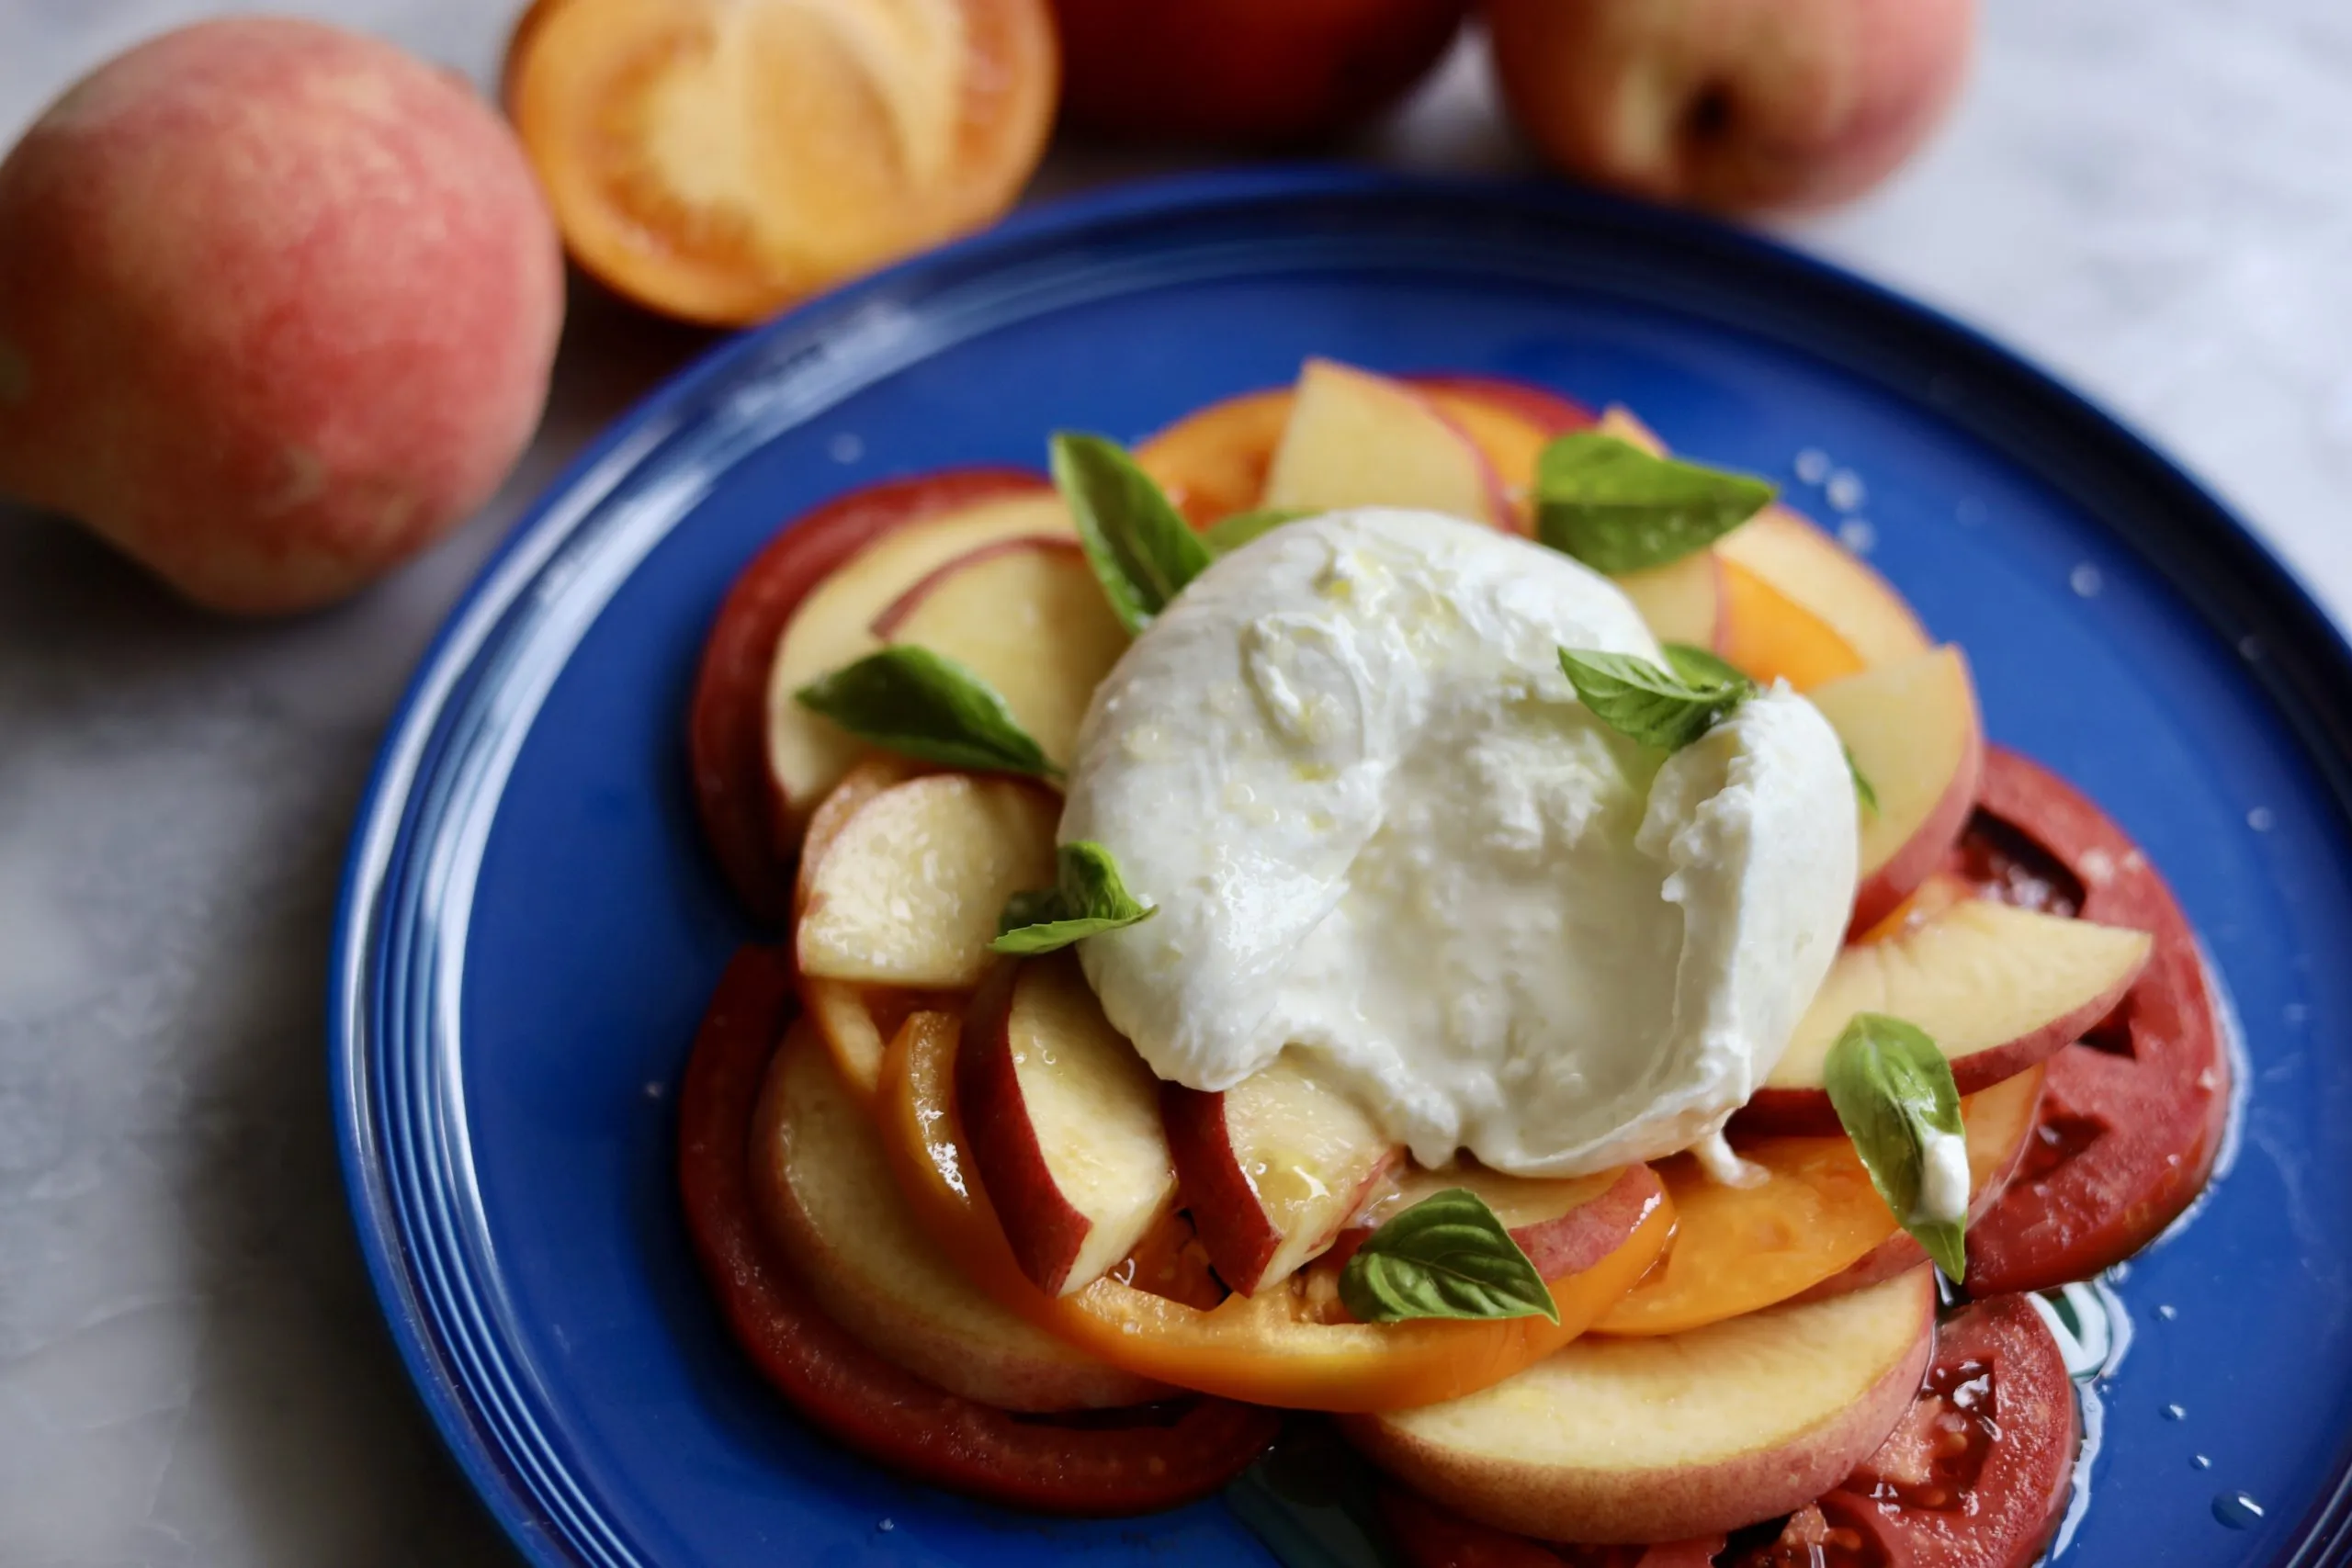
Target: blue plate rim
point(2299, 688)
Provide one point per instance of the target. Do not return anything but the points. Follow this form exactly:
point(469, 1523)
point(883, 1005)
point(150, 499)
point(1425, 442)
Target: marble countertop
point(2148, 196)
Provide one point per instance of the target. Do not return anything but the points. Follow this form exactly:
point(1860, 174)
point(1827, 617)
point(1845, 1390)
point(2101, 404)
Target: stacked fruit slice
point(961, 1226)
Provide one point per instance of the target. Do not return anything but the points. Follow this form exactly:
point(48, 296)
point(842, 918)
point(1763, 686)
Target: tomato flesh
point(1104, 1463)
point(2133, 1115)
point(727, 725)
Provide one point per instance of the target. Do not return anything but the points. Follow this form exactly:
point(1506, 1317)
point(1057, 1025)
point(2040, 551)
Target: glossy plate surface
point(531, 925)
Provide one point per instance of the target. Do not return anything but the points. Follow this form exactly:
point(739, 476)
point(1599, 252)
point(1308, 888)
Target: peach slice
point(718, 161)
point(1028, 617)
point(1998, 988)
point(1631, 1441)
point(825, 1193)
point(1808, 568)
point(1357, 439)
point(1065, 1124)
point(1273, 1167)
point(1681, 601)
point(1551, 1219)
point(1213, 462)
point(1912, 729)
point(807, 754)
point(908, 890)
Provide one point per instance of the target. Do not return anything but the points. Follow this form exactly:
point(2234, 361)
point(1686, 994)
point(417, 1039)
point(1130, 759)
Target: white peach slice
point(834, 626)
point(1271, 1167)
point(1997, 989)
point(1357, 439)
point(824, 1191)
point(1028, 617)
point(1063, 1120)
point(908, 891)
point(1912, 729)
point(1610, 1440)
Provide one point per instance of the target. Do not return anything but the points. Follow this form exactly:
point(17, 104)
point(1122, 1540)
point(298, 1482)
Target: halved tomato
point(2133, 1115)
point(1112, 1462)
point(1430, 1537)
point(726, 732)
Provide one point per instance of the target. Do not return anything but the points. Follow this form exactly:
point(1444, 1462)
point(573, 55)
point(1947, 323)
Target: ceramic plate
point(531, 925)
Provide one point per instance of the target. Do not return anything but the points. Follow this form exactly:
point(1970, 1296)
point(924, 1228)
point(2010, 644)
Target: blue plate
point(530, 924)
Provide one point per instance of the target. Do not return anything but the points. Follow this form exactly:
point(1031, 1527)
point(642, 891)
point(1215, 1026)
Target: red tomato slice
point(1978, 1474)
point(1430, 1537)
point(1111, 1463)
point(2133, 1116)
point(727, 726)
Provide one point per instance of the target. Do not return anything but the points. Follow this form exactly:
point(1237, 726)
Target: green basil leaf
point(1862, 790)
point(1893, 1093)
point(919, 704)
point(1142, 551)
point(1227, 535)
point(1088, 898)
point(1701, 668)
point(1448, 1256)
point(1649, 704)
point(1618, 509)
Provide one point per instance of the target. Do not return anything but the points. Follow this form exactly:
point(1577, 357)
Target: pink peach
point(1730, 104)
point(277, 307)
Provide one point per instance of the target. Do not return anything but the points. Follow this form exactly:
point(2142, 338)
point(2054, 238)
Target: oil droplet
point(2200, 1462)
point(888, 1525)
point(2174, 1412)
point(845, 448)
point(2236, 1510)
point(2167, 1312)
point(1857, 535)
point(2084, 581)
point(1846, 491)
point(1813, 465)
point(2260, 818)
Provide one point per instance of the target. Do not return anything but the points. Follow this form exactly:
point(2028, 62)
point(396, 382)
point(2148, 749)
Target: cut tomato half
point(1279, 1346)
point(1103, 1463)
point(2133, 1115)
point(727, 725)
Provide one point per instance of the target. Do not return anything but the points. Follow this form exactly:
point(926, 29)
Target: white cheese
point(1943, 1179)
point(1380, 827)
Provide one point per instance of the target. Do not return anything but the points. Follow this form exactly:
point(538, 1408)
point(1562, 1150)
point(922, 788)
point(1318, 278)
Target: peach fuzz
point(277, 307)
point(1730, 104)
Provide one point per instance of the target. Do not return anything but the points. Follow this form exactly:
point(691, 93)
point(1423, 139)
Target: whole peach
point(1244, 71)
point(278, 304)
point(1730, 104)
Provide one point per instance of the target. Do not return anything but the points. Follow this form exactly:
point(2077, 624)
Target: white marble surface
point(2151, 195)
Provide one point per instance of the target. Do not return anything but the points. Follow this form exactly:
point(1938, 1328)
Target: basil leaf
point(1087, 899)
point(919, 704)
point(1617, 508)
point(1142, 551)
point(1700, 668)
point(1893, 1093)
point(1227, 535)
point(1862, 790)
point(1448, 1256)
point(1650, 704)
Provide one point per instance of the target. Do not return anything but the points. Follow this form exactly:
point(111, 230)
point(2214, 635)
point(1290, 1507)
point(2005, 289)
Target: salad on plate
point(1399, 905)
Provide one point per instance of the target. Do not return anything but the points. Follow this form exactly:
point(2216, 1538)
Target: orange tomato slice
point(1813, 1216)
point(1271, 1348)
